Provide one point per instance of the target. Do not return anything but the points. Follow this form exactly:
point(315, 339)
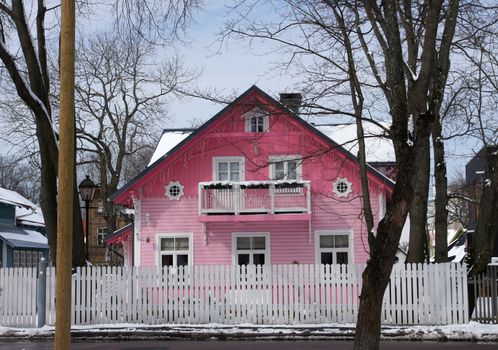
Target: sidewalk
point(469, 332)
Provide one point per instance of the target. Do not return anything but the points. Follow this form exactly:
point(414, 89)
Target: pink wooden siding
point(289, 240)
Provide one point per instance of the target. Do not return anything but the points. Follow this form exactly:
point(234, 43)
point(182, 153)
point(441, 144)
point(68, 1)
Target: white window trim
point(251, 234)
point(242, 166)
point(283, 158)
point(101, 231)
point(347, 182)
point(350, 249)
point(189, 235)
point(168, 188)
point(256, 112)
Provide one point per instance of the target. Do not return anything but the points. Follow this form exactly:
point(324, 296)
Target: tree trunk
point(48, 195)
point(48, 199)
point(441, 199)
point(481, 248)
point(418, 209)
point(78, 242)
point(368, 335)
point(378, 271)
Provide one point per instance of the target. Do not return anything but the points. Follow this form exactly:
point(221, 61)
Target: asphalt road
point(249, 345)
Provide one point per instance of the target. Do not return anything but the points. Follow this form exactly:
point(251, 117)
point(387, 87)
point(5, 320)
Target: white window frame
point(285, 158)
point(349, 250)
point(254, 113)
point(231, 159)
point(266, 251)
point(101, 233)
point(160, 253)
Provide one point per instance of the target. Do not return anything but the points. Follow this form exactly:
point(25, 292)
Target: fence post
point(41, 292)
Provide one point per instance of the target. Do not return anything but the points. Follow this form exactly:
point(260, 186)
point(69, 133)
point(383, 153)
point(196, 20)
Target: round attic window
point(174, 190)
point(342, 187)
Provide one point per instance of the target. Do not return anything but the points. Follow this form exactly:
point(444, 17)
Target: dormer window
point(257, 124)
point(256, 120)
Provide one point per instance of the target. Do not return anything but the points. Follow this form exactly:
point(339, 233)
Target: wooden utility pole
point(66, 176)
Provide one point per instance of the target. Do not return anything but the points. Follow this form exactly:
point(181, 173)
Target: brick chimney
point(292, 101)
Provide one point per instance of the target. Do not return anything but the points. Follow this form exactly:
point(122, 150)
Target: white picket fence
point(18, 296)
point(276, 294)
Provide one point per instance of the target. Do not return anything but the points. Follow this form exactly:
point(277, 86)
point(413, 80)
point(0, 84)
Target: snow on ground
point(468, 332)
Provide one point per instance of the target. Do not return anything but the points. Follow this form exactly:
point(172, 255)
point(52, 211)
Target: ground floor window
point(26, 258)
point(334, 247)
point(251, 249)
point(175, 251)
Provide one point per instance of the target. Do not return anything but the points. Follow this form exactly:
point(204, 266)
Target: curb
point(242, 333)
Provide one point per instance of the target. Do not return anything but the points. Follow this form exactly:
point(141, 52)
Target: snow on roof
point(23, 237)
point(458, 252)
point(168, 141)
point(11, 197)
point(378, 147)
point(27, 213)
point(29, 217)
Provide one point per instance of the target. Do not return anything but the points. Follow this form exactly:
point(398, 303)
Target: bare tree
point(21, 176)
point(122, 94)
point(26, 61)
point(397, 52)
point(25, 57)
point(458, 201)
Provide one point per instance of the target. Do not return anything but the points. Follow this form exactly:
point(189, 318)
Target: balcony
point(254, 197)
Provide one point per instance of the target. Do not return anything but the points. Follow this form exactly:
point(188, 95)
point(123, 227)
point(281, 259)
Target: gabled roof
point(27, 213)
point(252, 89)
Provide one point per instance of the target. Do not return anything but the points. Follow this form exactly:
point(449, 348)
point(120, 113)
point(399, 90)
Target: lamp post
point(87, 191)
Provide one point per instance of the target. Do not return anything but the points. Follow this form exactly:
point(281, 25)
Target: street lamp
point(87, 191)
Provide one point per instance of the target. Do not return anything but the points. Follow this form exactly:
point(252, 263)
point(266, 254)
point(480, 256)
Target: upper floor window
point(285, 168)
point(228, 169)
point(256, 120)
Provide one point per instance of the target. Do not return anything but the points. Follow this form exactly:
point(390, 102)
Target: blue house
point(22, 231)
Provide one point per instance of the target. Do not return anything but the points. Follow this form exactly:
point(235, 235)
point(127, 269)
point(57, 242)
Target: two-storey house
point(255, 184)
point(22, 239)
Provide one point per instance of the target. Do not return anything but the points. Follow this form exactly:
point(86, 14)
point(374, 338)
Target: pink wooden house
point(255, 184)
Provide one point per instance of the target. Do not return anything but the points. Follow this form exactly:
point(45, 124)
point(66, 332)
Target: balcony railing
point(254, 197)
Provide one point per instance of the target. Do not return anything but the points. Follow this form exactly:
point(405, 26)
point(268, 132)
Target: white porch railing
point(254, 197)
